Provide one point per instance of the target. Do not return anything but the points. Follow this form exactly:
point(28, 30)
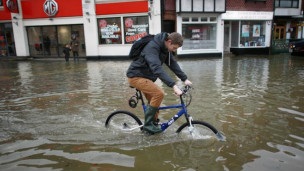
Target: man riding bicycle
point(144, 70)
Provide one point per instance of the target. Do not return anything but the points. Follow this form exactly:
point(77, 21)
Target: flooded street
point(52, 117)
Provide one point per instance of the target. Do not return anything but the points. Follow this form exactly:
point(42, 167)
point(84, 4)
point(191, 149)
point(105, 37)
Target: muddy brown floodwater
point(52, 117)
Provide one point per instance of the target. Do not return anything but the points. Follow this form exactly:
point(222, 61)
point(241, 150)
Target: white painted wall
point(90, 28)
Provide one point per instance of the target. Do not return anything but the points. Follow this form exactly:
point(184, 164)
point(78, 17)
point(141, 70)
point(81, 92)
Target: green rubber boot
point(149, 119)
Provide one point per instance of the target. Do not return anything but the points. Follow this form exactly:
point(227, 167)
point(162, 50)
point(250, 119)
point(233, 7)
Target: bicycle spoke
point(200, 130)
point(122, 120)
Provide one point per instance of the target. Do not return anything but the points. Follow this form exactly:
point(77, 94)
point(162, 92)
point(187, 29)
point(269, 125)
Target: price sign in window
point(135, 28)
point(110, 30)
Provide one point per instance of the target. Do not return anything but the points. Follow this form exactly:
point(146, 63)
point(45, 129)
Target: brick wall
point(242, 5)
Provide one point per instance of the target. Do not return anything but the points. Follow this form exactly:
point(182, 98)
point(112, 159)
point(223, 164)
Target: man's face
point(172, 47)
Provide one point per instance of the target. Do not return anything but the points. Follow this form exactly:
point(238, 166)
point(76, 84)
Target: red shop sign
point(12, 6)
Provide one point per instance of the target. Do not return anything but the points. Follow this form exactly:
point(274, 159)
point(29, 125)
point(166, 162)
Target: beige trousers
point(153, 93)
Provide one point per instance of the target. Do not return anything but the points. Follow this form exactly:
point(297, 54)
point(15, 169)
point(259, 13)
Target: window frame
point(206, 22)
point(277, 4)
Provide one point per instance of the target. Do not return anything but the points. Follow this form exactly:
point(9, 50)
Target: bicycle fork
point(190, 128)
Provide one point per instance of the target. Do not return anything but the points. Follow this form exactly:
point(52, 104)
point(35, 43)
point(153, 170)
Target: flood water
point(52, 117)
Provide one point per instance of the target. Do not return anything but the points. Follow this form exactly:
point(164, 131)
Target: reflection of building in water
point(95, 81)
point(26, 76)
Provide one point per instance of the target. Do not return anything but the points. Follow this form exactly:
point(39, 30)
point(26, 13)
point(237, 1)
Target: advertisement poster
point(110, 31)
point(245, 30)
point(135, 30)
point(256, 31)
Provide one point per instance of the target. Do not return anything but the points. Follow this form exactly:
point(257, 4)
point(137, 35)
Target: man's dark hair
point(176, 38)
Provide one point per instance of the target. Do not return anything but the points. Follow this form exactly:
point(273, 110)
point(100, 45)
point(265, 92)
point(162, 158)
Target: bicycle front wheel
point(123, 120)
point(200, 130)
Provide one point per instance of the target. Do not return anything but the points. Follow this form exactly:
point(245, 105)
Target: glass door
point(35, 41)
point(7, 44)
point(64, 37)
point(49, 41)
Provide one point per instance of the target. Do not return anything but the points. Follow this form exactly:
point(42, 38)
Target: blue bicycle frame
point(181, 112)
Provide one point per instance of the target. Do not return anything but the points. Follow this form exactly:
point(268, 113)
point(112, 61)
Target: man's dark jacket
point(149, 64)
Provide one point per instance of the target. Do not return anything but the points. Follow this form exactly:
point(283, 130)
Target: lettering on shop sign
point(136, 31)
point(110, 32)
point(12, 6)
point(50, 7)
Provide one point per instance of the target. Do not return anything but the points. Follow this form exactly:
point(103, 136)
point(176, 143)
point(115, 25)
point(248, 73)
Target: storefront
point(288, 24)
point(7, 41)
point(249, 31)
point(49, 28)
point(201, 26)
point(121, 23)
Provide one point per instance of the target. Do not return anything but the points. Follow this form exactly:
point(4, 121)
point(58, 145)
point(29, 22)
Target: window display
point(110, 30)
point(199, 36)
point(135, 28)
point(252, 33)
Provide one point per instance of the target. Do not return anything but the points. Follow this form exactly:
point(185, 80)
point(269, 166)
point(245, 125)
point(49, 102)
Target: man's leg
point(155, 94)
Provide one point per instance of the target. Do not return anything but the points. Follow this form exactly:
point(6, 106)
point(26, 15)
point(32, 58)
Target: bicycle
point(128, 121)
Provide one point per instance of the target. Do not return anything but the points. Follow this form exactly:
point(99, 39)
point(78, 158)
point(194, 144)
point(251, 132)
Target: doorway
point(279, 32)
point(7, 44)
point(227, 36)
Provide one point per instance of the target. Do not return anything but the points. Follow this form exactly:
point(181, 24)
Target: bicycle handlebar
point(137, 97)
point(185, 89)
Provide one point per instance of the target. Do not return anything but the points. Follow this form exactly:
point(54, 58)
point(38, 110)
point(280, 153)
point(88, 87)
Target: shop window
point(213, 19)
point(199, 35)
point(252, 33)
point(1, 4)
point(110, 29)
point(7, 44)
point(204, 19)
point(186, 19)
point(286, 3)
point(135, 28)
point(194, 19)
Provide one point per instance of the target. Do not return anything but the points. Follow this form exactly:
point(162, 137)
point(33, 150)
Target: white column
point(20, 35)
point(90, 27)
point(155, 20)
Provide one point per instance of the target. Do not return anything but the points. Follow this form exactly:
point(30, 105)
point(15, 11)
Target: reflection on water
point(52, 116)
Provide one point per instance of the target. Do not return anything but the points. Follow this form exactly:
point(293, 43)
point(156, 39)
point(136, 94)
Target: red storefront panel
point(5, 14)
point(122, 7)
point(34, 8)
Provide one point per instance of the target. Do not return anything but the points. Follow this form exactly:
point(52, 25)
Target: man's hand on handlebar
point(178, 91)
point(188, 83)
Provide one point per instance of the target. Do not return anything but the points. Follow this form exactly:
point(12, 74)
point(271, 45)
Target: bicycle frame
point(182, 106)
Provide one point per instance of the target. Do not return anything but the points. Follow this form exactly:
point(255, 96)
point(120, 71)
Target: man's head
point(174, 41)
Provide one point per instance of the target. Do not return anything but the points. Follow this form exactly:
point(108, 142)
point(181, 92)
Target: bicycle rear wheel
point(200, 130)
point(123, 120)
